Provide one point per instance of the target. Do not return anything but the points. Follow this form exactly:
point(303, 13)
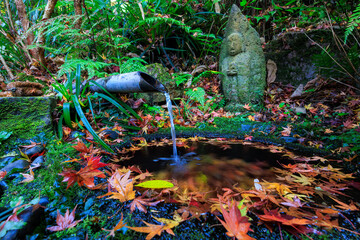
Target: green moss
point(47, 180)
point(26, 117)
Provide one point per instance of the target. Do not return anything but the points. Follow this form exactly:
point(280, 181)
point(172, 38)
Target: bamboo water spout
point(137, 82)
point(129, 83)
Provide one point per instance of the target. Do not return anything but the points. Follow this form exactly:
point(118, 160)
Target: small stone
point(289, 139)
point(34, 150)
point(110, 134)
point(32, 216)
point(76, 134)
point(6, 160)
point(300, 110)
point(39, 160)
point(246, 127)
point(298, 92)
point(17, 164)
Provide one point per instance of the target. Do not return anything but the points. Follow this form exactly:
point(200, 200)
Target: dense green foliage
point(178, 34)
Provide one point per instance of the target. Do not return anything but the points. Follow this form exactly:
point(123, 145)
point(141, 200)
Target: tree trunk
point(20, 6)
point(49, 9)
point(78, 11)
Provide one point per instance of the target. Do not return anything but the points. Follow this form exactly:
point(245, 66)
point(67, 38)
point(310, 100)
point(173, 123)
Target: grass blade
point(92, 111)
point(67, 113)
point(60, 123)
point(77, 78)
point(87, 124)
point(119, 101)
point(113, 102)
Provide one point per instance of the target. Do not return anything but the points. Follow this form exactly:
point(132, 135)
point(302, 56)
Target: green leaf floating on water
point(155, 184)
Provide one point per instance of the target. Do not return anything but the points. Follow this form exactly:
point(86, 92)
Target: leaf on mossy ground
point(64, 222)
point(155, 184)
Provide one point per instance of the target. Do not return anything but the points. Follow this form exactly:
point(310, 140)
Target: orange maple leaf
point(153, 229)
point(118, 226)
point(81, 147)
point(247, 106)
point(123, 185)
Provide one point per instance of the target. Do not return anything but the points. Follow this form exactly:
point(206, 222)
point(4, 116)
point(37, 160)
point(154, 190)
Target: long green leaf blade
point(120, 102)
point(67, 113)
point(87, 124)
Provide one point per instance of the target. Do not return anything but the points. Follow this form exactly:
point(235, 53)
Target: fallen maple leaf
point(2, 174)
point(64, 222)
point(140, 203)
point(296, 203)
point(247, 106)
point(349, 124)
point(236, 225)
point(81, 147)
point(123, 185)
point(303, 179)
point(85, 176)
point(28, 177)
point(328, 130)
point(33, 144)
point(286, 132)
point(153, 229)
point(118, 226)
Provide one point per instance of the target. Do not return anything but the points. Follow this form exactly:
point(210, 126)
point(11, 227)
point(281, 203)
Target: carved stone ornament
point(242, 63)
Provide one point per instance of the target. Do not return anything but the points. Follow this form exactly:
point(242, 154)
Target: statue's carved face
point(235, 44)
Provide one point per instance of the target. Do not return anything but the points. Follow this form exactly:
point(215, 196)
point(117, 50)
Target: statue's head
point(235, 44)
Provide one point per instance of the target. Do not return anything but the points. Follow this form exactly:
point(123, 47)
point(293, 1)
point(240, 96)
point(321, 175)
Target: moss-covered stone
point(162, 74)
point(26, 118)
point(296, 55)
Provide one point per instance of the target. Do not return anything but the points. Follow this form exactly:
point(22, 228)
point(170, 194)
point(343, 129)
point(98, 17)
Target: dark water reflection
point(208, 167)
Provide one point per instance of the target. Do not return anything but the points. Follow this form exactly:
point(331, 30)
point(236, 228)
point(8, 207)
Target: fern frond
point(197, 94)
point(155, 21)
point(90, 66)
point(353, 22)
point(133, 65)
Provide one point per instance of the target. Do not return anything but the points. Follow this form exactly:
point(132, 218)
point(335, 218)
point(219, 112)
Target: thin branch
point(332, 58)
point(10, 16)
point(92, 31)
point(339, 43)
point(344, 84)
point(6, 67)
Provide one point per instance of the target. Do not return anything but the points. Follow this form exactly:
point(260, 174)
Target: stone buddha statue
point(242, 63)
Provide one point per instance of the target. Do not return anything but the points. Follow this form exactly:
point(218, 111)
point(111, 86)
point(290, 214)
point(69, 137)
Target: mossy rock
point(22, 77)
point(26, 118)
point(162, 74)
point(298, 58)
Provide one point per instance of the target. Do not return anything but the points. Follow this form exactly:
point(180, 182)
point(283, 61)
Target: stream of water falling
point(173, 135)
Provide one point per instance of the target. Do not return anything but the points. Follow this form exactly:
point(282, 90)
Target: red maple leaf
point(85, 176)
point(81, 147)
point(236, 225)
point(64, 222)
point(293, 225)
